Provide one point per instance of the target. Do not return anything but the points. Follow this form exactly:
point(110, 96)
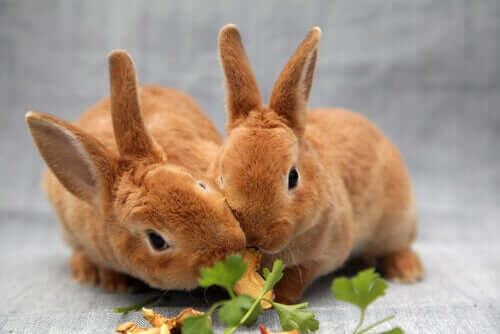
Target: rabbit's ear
point(242, 91)
point(78, 160)
point(291, 91)
point(132, 137)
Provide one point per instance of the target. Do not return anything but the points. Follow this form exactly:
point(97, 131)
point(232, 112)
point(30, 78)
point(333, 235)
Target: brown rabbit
point(126, 182)
point(312, 188)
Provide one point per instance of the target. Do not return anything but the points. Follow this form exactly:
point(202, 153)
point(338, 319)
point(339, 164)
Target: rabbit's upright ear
point(132, 137)
point(242, 91)
point(291, 91)
point(79, 161)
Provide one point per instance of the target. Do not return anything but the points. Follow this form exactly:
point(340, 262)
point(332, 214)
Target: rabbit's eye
point(293, 178)
point(202, 185)
point(157, 241)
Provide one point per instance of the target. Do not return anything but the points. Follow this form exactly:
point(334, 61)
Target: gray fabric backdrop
point(427, 72)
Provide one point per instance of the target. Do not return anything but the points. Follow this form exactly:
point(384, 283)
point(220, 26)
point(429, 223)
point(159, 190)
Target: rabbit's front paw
point(82, 269)
point(402, 266)
point(291, 287)
point(286, 296)
point(112, 281)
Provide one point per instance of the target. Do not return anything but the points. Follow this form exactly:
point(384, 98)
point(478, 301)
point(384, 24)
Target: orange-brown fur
point(131, 165)
point(353, 196)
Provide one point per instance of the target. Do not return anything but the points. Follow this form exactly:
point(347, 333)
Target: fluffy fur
point(133, 163)
point(353, 197)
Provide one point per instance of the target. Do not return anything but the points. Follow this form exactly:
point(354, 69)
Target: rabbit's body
point(372, 171)
point(312, 187)
point(127, 181)
point(367, 188)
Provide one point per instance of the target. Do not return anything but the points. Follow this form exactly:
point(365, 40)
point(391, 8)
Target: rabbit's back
point(187, 136)
point(370, 166)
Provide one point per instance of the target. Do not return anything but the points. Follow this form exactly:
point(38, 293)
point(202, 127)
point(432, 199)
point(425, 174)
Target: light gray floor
point(427, 72)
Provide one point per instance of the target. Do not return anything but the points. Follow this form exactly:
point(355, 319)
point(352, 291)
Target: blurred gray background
point(426, 72)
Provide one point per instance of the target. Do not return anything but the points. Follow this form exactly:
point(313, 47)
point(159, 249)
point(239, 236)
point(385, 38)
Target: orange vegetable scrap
point(265, 330)
point(251, 283)
point(160, 323)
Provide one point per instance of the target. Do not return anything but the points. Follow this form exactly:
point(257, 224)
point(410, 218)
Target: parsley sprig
point(361, 291)
point(244, 310)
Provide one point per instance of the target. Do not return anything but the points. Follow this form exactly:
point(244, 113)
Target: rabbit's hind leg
point(391, 249)
point(82, 269)
point(401, 266)
point(112, 281)
point(397, 229)
point(396, 260)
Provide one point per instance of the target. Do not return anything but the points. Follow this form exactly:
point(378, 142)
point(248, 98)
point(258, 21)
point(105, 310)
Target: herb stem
point(138, 306)
point(214, 306)
point(361, 319)
point(231, 329)
point(231, 293)
point(298, 306)
point(250, 310)
point(376, 324)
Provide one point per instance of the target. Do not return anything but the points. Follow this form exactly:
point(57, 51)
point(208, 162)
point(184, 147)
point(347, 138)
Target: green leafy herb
point(252, 315)
point(224, 274)
point(292, 317)
point(199, 324)
point(233, 310)
point(361, 291)
point(244, 310)
point(274, 276)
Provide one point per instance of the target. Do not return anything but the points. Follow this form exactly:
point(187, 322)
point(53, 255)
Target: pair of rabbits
point(145, 187)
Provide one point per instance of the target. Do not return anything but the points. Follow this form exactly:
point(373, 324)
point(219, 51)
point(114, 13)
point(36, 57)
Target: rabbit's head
point(265, 168)
point(161, 224)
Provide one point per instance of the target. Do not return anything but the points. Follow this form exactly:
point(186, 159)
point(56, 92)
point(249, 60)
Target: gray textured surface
point(427, 72)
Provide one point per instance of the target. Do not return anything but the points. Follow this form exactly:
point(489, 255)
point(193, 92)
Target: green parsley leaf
point(265, 272)
point(362, 290)
point(199, 324)
point(233, 310)
point(291, 317)
point(224, 274)
point(272, 277)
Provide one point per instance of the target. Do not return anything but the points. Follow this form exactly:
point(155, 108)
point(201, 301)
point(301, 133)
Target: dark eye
point(202, 185)
point(293, 178)
point(157, 241)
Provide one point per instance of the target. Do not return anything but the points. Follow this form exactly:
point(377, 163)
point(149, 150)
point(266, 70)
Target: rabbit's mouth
point(272, 239)
point(233, 212)
point(268, 249)
point(254, 249)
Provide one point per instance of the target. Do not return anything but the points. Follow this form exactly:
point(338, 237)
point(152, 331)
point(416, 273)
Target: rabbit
point(314, 188)
point(128, 183)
